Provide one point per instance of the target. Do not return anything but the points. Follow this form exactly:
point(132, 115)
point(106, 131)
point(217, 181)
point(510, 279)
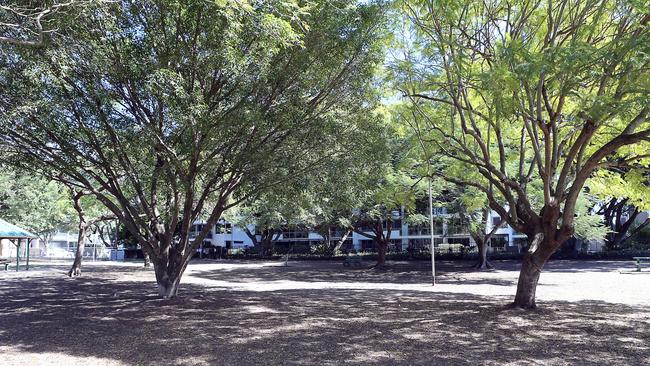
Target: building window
point(223, 228)
point(419, 230)
point(368, 246)
point(422, 244)
point(425, 228)
point(456, 226)
point(295, 234)
point(462, 241)
point(499, 242)
point(422, 207)
point(292, 246)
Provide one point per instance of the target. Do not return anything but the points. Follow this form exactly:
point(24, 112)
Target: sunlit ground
point(321, 313)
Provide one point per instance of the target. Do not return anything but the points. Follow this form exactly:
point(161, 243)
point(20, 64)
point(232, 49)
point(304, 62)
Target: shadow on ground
point(124, 322)
point(326, 271)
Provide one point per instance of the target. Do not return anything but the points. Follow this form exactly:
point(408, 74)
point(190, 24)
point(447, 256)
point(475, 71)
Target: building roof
point(10, 231)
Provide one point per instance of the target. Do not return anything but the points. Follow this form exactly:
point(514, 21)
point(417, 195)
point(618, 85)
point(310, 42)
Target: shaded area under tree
point(117, 317)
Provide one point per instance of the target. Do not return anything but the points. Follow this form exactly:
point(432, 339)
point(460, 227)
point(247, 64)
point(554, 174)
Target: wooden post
point(17, 255)
point(29, 244)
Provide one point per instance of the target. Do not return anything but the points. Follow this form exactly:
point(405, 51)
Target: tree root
point(74, 272)
point(483, 266)
point(514, 306)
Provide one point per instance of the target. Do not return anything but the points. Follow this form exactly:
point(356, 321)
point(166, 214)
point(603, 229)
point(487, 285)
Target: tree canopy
point(171, 111)
point(530, 93)
point(41, 206)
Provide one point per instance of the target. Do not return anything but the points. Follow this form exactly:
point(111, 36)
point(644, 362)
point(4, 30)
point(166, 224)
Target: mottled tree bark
point(613, 214)
point(483, 262)
point(84, 225)
point(168, 280)
point(527, 284)
point(147, 259)
point(340, 242)
point(481, 238)
point(381, 242)
point(542, 246)
point(331, 246)
point(264, 245)
point(382, 247)
point(75, 270)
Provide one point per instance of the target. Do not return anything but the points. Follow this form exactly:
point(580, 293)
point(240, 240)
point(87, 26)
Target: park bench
point(5, 262)
point(352, 260)
point(640, 260)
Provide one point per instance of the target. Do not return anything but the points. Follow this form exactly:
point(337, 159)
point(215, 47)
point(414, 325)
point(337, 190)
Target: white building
point(404, 237)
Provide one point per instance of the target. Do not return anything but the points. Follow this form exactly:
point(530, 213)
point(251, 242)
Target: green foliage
point(527, 101)
point(633, 185)
point(393, 186)
point(171, 111)
point(34, 203)
point(587, 225)
point(272, 212)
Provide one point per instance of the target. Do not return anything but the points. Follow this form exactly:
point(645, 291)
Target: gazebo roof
point(10, 231)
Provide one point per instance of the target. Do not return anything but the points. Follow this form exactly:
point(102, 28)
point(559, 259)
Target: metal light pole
point(433, 262)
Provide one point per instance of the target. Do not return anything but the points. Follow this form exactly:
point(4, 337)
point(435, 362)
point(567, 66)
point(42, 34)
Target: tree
point(333, 225)
point(624, 195)
point(30, 201)
point(381, 208)
point(170, 112)
point(472, 206)
point(323, 199)
point(269, 215)
point(467, 202)
point(526, 92)
point(88, 212)
point(332, 195)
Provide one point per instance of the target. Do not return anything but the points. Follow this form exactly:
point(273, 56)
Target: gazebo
point(16, 236)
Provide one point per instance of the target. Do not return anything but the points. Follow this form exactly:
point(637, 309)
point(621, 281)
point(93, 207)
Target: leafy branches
point(171, 112)
point(27, 23)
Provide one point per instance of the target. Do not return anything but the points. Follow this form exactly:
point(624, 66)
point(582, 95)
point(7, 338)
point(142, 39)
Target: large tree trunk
point(168, 282)
point(253, 237)
point(169, 269)
point(382, 246)
point(329, 248)
point(382, 243)
point(267, 246)
point(75, 271)
point(527, 284)
point(46, 243)
point(539, 251)
point(483, 262)
point(615, 238)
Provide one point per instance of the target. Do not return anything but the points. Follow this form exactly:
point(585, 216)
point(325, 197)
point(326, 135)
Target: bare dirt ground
point(320, 313)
